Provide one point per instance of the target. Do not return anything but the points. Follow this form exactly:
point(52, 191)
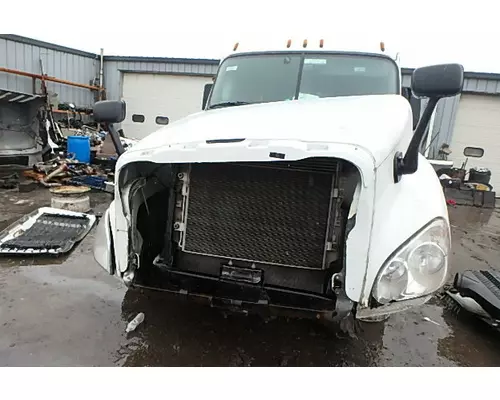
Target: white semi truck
point(299, 186)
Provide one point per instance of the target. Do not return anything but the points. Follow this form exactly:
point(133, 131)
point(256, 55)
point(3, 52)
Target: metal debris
point(45, 231)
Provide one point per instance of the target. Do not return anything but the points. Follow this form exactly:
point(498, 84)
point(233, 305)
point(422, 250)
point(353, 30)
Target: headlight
point(419, 267)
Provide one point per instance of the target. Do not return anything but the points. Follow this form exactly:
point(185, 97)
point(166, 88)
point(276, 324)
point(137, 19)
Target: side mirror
point(443, 80)
point(206, 94)
point(110, 111)
point(406, 93)
point(477, 152)
point(415, 104)
point(434, 82)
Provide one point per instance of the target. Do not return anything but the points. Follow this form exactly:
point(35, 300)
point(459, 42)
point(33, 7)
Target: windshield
point(276, 77)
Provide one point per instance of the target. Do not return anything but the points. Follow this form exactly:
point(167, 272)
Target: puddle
point(475, 220)
point(475, 238)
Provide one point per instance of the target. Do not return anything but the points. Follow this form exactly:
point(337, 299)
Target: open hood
point(374, 123)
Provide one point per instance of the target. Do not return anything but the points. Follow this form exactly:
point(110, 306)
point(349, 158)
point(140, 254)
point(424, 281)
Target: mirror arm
point(409, 163)
point(115, 137)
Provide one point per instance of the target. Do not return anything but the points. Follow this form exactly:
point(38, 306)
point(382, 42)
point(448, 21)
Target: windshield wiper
point(228, 104)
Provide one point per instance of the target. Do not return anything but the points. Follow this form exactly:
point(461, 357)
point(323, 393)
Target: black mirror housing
point(206, 94)
point(110, 111)
point(443, 80)
point(434, 82)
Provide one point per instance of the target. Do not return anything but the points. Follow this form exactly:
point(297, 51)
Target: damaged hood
point(375, 123)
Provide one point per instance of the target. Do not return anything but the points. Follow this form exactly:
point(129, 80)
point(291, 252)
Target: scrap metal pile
point(80, 154)
point(60, 141)
point(470, 187)
point(64, 171)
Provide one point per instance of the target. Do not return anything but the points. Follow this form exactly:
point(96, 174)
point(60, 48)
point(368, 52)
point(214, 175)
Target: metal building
point(158, 90)
point(18, 52)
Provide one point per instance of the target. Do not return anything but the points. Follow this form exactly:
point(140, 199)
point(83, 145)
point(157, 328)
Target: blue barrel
point(79, 148)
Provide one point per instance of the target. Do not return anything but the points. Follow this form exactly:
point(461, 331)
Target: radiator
point(273, 213)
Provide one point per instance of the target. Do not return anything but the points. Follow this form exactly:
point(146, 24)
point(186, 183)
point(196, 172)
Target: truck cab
point(299, 186)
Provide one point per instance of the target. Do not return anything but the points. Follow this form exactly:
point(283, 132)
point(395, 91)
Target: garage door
point(478, 125)
point(154, 99)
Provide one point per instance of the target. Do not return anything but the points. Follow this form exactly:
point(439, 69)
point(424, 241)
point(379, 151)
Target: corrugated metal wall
point(443, 121)
point(114, 67)
point(481, 85)
point(73, 65)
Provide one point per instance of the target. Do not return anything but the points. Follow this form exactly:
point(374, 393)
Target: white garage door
point(478, 125)
point(152, 97)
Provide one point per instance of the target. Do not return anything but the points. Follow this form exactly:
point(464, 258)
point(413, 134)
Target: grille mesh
point(49, 232)
point(259, 213)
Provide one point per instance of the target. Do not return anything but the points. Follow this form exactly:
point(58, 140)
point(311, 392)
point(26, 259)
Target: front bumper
point(244, 297)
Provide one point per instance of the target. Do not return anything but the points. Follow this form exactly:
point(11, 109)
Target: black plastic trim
point(398, 166)
point(299, 279)
point(299, 78)
point(214, 288)
point(216, 141)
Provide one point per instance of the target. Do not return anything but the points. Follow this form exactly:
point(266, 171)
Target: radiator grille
point(260, 213)
point(49, 233)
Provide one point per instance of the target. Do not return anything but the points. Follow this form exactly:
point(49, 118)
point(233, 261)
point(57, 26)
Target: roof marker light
point(321, 42)
point(304, 44)
point(382, 46)
point(289, 43)
point(236, 46)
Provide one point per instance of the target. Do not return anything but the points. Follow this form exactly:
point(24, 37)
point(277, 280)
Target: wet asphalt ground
point(69, 312)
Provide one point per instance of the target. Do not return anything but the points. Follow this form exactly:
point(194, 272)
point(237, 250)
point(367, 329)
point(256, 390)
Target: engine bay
point(279, 224)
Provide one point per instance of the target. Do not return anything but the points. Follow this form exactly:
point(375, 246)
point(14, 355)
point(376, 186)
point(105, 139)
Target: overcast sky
point(422, 31)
